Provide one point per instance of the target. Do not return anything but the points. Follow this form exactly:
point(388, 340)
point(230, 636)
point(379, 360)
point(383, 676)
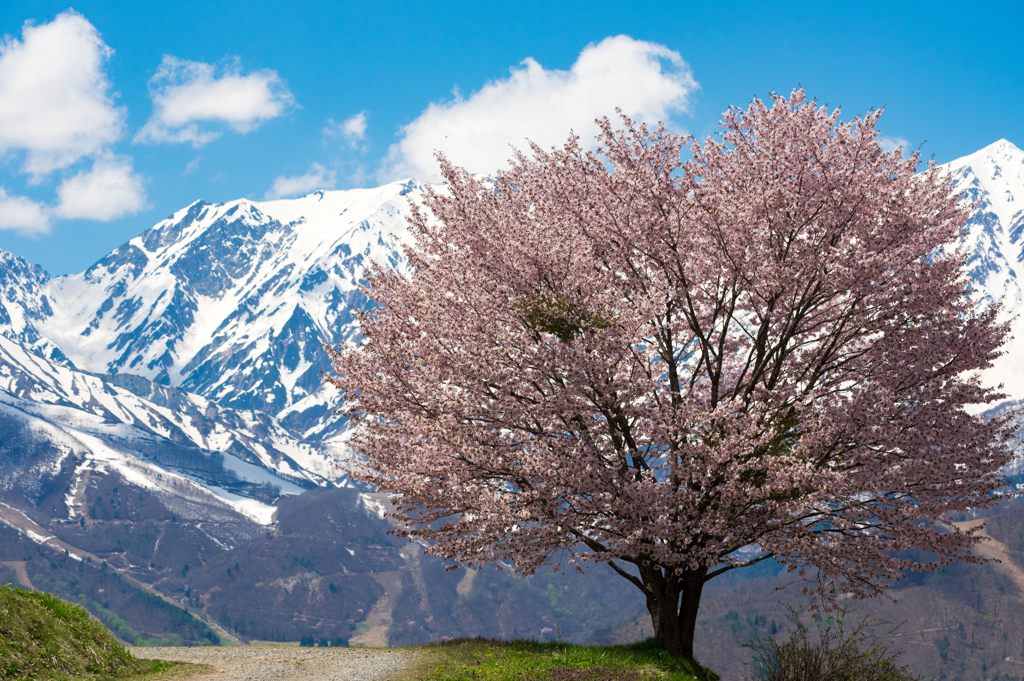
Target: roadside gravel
point(268, 663)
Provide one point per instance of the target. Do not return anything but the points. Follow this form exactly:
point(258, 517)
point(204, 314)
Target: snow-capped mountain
point(220, 312)
point(179, 378)
point(231, 301)
point(130, 410)
point(24, 305)
point(993, 179)
point(188, 361)
point(198, 484)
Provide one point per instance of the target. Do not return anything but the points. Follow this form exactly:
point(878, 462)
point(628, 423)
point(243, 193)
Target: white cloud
point(649, 82)
point(352, 130)
point(187, 93)
point(55, 101)
point(23, 214)
point(891, 144)
point(56, 106)
point(318, 177)
point(109, 190)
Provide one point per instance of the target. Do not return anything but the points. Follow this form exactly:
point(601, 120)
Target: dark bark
point(673, 599)
point(693, 586)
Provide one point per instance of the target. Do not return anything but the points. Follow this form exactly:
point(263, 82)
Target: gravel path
point(286, 663)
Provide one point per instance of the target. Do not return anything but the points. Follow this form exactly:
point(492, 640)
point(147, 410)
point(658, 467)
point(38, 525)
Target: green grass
point(488, 660)
point(43, 638)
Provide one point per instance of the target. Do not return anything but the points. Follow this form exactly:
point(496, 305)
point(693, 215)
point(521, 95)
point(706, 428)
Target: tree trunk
point(693, 585)
point(674, 619)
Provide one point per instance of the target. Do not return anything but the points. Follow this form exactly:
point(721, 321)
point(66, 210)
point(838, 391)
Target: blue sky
point(115, 114)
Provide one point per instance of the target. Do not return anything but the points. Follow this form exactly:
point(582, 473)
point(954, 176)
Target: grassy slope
point(43, 637)
point(520, 660)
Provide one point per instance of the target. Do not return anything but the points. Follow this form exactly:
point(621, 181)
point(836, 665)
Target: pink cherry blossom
point(685, 366)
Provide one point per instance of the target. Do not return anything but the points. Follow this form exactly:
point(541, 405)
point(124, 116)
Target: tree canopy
point(686, 365)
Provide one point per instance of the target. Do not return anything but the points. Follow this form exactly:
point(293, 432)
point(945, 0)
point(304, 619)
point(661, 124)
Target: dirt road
point(252, 663)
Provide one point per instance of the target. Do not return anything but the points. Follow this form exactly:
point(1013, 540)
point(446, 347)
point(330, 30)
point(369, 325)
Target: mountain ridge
point(234, 302)
point(231, 301)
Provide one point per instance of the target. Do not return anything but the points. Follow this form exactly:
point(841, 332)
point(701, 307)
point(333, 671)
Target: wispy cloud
point(891, 144)
point(55, 99)
point(352, 130)
point(649, 82)
point(192, 166)
point(193, 100)
point(318, 177)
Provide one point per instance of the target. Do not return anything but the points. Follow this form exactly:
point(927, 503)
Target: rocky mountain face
point(24, 305)
point(122, 408)
point(234, 301)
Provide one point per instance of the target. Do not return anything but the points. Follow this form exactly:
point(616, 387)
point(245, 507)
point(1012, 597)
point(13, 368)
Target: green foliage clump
point(565, 318)
point(836, 653)
point(44, 638)
point(520, 660)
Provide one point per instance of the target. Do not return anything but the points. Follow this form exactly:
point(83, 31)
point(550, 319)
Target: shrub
point(837, 652)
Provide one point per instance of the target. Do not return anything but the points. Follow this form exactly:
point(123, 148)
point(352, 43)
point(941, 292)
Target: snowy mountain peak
point(22, 301)
point(995, 177)
point(1003, 149)
point(231, 301)
point(993, 180)
point(235, 301)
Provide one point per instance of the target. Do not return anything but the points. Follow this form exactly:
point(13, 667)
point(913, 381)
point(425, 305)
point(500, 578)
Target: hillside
point(43, 637)
point(327, 569)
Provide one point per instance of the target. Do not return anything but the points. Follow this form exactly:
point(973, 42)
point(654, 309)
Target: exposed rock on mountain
point(24, 305)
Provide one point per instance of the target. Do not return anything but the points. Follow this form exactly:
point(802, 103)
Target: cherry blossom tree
point(685, 367)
